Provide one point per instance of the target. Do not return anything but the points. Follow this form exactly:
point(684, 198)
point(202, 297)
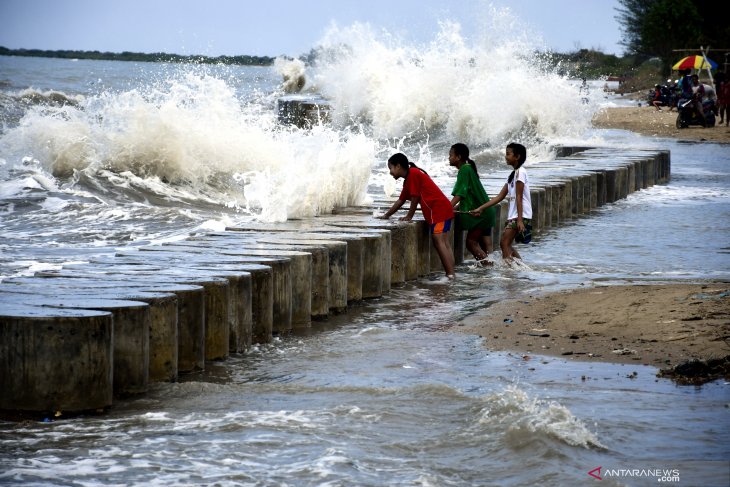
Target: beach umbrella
point(694, 62)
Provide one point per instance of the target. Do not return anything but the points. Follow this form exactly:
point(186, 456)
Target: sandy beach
point(683, 329)
point(646, 120)
point(664, 326)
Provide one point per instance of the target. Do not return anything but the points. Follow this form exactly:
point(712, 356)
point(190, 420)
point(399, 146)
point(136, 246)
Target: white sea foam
point(293, 72)
point(480, 89)
point(16, 187)
point(680, 195)
point(525, 418)
point(54, 205)
point(192, 135)
point(214, 225)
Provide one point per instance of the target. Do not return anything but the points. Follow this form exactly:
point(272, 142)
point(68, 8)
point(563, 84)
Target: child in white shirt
point(517, 191)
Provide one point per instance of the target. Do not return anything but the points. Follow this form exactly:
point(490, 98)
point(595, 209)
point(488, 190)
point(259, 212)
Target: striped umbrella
point(694, 62)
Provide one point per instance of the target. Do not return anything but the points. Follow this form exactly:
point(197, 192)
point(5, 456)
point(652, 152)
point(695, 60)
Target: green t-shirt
point(473, 195)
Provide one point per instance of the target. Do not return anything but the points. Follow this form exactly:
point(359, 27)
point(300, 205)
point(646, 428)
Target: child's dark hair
point(401, 160)
point(462, 151)
point(520, 151)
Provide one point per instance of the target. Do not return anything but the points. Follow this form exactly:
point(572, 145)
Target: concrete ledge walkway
point(71, 340)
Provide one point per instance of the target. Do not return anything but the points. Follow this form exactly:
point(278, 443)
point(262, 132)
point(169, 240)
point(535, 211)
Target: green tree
point(140, 57)
point(654, 28)
point(631, 17)
point(715, 31)
point(668, 25)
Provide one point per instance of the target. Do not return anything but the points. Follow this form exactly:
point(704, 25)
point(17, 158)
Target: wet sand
point(645, 120)
point(658, 325)
point(683, 329)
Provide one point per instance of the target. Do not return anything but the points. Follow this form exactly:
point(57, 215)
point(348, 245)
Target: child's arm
point(412, 209)
point(455, 201)
point(396, 206)
point(490, 203)
point(519, 189)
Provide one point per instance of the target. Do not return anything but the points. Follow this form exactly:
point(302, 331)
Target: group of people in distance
point(689, 89)
point(469, 201)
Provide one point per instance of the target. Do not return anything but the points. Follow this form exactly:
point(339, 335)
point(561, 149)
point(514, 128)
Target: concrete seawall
point(72, 340)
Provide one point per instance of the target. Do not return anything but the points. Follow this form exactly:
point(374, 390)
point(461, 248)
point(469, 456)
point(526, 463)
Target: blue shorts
point(441, 227)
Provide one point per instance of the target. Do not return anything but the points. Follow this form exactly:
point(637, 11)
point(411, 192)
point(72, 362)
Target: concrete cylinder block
point(131, 342)
point(55, 360)
point(292, 286)
point(320, 262)
point(423, 235)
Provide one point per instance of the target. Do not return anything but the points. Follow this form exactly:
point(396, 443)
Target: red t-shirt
point(435, 206)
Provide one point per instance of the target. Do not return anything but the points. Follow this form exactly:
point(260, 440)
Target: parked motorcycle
point(687, 115)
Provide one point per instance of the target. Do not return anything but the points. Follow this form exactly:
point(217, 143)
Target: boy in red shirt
point(419, 188)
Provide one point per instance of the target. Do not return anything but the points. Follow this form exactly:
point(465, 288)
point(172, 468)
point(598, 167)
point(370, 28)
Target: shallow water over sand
point(380, 397)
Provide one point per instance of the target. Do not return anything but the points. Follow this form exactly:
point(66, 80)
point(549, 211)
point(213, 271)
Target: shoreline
point(646, 120)
point(682, 329)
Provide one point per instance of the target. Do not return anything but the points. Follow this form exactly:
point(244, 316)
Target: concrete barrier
point(191, 319)
point(217, 293)
point(280, 291)
point(163, 306)
point(318, 250)
point(293, 284)
point(376, 260)
point(55, 359)
point(304, 111)
point(298, 287)
point(363, 254)
point(131, 320)
point(332, 289)
point(403, 261)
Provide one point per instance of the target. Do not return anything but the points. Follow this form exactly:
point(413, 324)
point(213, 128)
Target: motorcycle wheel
point(680, 123)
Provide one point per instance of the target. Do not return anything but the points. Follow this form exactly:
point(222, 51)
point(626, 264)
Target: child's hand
point(405, 218)
point(476, 212)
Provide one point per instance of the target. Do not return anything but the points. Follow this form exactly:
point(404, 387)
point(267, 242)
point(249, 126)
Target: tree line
point(139, 56)
point(584, 62)
point(660, 28)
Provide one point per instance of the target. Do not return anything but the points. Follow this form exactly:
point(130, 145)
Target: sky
point(281, 27)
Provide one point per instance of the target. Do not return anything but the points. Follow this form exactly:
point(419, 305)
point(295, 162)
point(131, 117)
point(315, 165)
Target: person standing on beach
point(517, 191)
point(469, 193)
point(723, 100)
point(419, 188)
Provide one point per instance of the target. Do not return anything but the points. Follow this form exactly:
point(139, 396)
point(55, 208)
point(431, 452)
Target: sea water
point(98, 155)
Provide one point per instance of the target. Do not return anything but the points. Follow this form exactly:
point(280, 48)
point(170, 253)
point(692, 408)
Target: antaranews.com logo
point(659, 474)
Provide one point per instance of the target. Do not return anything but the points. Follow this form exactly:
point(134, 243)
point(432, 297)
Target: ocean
point(98, 155)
